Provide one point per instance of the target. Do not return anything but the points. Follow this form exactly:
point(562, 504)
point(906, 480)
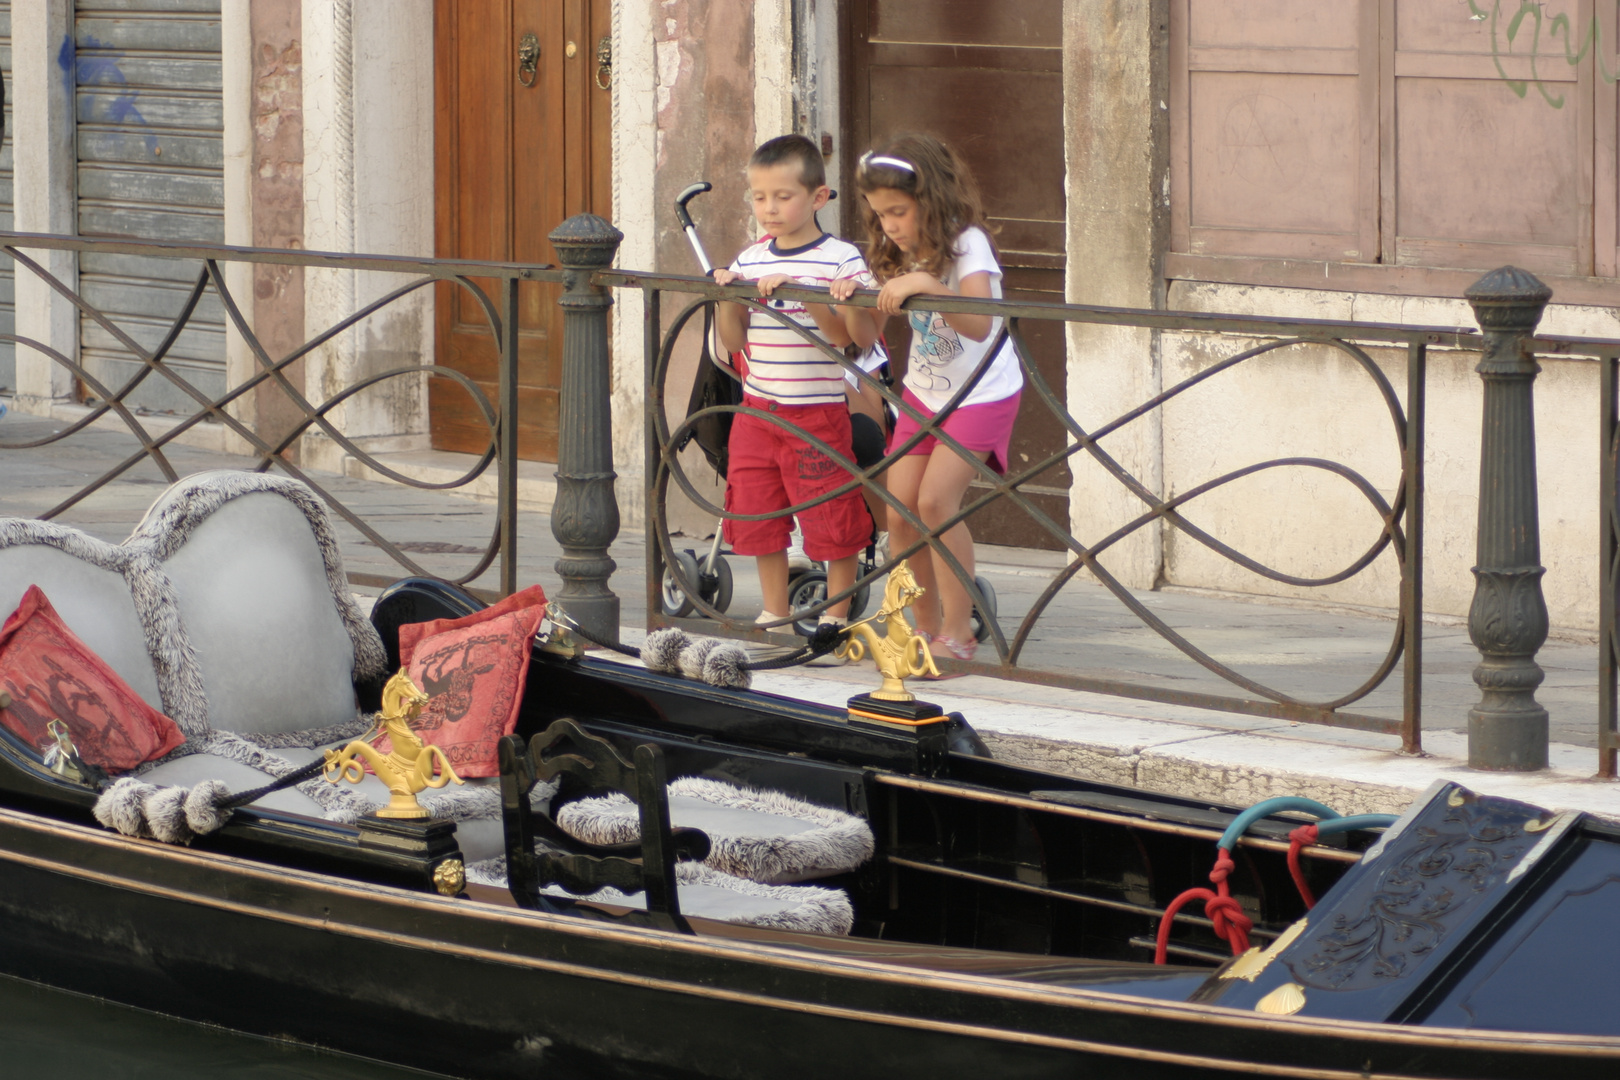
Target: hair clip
point(893, 162)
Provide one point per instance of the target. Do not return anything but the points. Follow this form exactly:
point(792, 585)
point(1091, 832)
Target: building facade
point(1363, 160)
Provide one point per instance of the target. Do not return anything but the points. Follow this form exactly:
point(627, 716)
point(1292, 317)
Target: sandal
point(961, 650)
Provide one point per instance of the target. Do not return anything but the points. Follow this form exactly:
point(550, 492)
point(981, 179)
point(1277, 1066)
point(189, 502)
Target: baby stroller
point(712, 573)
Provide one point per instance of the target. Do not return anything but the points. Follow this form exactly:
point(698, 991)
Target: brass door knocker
point(528, 59)
point(604, 63)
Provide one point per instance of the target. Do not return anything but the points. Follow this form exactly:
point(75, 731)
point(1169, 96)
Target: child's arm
point(731, 318)
point(918, 283)
point(862, 324)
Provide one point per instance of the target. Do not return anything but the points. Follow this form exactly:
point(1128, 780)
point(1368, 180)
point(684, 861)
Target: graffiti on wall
point(1530, 31)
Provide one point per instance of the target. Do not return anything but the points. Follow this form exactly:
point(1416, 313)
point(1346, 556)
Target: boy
point(771, 467)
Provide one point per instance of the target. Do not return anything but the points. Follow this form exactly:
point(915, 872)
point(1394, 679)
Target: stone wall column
point(585, 516)
point(367, 82)
point(1116, 146)
point(45, 169)
point(1507, 730)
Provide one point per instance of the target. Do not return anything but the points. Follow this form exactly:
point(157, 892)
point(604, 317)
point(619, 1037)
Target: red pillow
point(51, 674)
point(475, 668)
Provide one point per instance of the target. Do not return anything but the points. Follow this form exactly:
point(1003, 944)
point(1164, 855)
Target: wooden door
point(987, 78)
point(515, 154)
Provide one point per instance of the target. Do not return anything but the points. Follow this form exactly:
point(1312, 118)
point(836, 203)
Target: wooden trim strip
point(1111, 817)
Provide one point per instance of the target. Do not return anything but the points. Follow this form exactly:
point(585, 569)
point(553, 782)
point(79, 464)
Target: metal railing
point(113, 400)
point(585, 517)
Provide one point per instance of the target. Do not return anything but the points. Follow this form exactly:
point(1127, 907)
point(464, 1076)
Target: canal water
point(47, 1033)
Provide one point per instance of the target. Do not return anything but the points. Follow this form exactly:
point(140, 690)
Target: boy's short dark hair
point(786, 148)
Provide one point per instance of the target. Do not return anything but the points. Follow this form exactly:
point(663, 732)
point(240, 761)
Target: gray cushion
point(94, 602)
point(252, 591)
point(766, 836)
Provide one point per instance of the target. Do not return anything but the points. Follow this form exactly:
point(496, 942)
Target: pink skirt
point(986, 427)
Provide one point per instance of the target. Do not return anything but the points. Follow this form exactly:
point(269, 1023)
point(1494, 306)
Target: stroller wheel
point(716, 587)
point(981, 624)
point(682, 569)
point(805, 591)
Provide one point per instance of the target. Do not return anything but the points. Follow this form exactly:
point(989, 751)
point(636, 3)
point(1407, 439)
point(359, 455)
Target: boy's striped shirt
point(782, 366)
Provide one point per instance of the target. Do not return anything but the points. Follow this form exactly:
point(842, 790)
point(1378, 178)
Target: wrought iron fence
point(585, 519)
point(1401, 519)
point(501, 452)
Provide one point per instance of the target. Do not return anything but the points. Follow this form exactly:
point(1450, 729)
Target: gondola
point(1004, 921)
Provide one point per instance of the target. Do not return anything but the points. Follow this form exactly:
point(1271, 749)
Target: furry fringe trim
point(809, 909)
point(672, 651)
point(839, 842)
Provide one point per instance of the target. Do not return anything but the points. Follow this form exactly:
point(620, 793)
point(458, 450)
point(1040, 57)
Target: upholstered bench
point(764, 836)
point(228, 610)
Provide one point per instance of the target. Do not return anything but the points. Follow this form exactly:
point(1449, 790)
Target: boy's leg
point(773, 584)
point(939, 498)
point(840, 576)
point(905, 480)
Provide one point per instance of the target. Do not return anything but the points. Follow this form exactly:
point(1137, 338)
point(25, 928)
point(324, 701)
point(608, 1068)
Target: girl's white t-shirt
point(941, 360)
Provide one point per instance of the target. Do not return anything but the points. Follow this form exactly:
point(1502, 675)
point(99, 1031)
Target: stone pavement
point(1313, 651)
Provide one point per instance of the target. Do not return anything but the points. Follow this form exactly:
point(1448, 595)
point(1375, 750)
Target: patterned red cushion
point(51, 674)
point(475, 669)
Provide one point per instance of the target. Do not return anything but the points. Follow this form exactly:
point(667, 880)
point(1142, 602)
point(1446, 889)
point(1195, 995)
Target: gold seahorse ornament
point(409, 766)
point(900, 653)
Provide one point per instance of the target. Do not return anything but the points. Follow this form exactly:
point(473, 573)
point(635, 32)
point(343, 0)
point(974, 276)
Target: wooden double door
point(986, 76)
point(522, 140)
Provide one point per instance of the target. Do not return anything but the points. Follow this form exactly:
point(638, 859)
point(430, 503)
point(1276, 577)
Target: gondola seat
point(659, 874)
point(228, 610)
point(764, 836)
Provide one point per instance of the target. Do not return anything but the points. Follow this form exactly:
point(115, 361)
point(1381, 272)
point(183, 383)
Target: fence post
point(1507, 730)
point(585, 515)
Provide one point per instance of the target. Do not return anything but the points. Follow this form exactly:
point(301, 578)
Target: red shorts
point(771, 468)
point(982, 428)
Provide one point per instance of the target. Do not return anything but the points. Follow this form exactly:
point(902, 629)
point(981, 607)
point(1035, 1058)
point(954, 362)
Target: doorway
point(522, 140)
point(987, 78)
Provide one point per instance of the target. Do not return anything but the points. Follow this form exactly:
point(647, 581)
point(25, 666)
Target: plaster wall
point(1313, 401)
point(704, 114)
point(44, 183)
point(368, 132)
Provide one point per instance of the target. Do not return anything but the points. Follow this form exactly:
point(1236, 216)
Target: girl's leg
point(905, 478)
point(939, 498)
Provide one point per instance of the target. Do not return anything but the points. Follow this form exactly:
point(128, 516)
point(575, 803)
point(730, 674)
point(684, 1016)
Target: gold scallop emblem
point(1286, 1000)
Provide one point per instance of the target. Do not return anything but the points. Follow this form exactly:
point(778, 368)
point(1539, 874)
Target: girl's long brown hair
point(947, 204)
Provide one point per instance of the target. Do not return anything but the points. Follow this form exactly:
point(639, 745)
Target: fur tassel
point(727, 667)
point(119, 806)
point(203, 812)
point(694, 655)
point(662, 650)
point(165, 810)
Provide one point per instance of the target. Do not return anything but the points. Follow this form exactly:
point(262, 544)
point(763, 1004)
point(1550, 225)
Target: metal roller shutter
point(8, 306)
point(150, 166)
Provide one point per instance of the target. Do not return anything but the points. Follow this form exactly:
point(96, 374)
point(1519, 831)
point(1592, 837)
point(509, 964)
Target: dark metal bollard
point(585, 516)
point(1507, 730)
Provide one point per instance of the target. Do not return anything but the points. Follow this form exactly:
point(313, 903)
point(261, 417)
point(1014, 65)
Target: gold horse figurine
point(409, 766)
point(900, 653)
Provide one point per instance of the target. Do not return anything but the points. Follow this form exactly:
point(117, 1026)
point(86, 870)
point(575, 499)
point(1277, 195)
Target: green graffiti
point(1541, 26)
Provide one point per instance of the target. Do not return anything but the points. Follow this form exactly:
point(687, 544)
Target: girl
point(927, 236)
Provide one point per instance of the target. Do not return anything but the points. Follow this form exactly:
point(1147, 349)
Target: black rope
point(297, 776)
point(823, 641)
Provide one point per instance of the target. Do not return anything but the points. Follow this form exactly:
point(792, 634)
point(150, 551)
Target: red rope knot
point(1230, 922)
point(1298, 841)
point(1223, 867)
